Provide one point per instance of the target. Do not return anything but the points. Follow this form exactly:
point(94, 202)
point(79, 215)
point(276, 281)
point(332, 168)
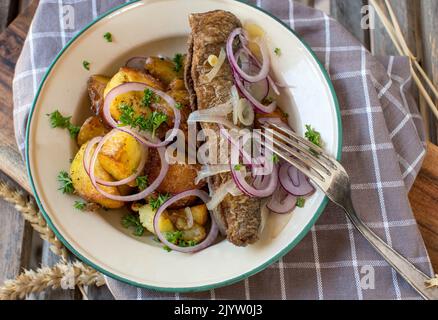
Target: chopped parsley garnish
point(313, 136)
point(277, 51)
point(131, 221)
point(108, 37)
point(176, 238)
point(159, 200)
point(147, 98)
point(275, 159)
point(237, 167)
point(167, 248)
point(142, 182)
point(80, 205)
point(57, 120)
point(178, 60)
point(178, 105)
point(66, 184)
point(267, 101)
point(151, 123)
point(86, 64)
point(301, 202)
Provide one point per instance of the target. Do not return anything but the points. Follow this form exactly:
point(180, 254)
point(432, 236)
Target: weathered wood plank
point(349, 14)
point(429, 27)
point(15, 239)
point(8, 11)
point(11, 43)
point(424, 201)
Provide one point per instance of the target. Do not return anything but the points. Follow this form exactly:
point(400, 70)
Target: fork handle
point(407, 270)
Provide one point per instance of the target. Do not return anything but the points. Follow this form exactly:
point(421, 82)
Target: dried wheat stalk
point(432, 283)
point(31, 213)
point(62, 275)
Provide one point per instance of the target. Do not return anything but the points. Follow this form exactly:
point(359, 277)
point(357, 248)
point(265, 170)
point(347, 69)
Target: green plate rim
point(189, 289)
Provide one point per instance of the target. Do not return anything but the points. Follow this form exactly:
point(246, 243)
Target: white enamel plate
point(151, 28)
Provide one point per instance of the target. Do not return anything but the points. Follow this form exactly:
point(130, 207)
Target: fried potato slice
point(120, 155)
point(91, 128)
point(84, 187)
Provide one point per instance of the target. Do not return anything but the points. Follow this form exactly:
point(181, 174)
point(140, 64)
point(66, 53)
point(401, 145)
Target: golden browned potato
point(84, 187)
point(163, 69)
point(200, 214)
point(92, 127)
point(179, 178)
point(96, 86)
point(134, 98)
point(179, 217)
point(147, 214)
point(120, 155)
point(196, 233)
point(177, 84)
point(126, 74)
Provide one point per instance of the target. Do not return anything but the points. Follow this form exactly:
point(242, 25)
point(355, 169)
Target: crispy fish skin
point(210, 32)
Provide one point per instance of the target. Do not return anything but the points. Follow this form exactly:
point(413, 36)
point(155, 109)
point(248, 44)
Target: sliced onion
point(239, 177)
point(212, 234)
point(235, 103)
point(196, 117)
point(245, 113)
point(189, 217)
point(136, 62)
point(264, 69)
point(260, 89)
point(134, 197)
point(271, 82)
point(294, 181)
point(213, 72)
point(256, 104)
point(209, 171)
point(143, 137)
point(220, 110)
point(282, 202)
point(87, 153)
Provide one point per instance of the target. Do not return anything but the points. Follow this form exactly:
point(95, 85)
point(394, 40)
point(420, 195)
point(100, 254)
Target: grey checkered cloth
point(383, 151)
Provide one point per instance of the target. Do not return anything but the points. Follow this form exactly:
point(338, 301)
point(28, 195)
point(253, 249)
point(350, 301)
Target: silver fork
point(329, 175)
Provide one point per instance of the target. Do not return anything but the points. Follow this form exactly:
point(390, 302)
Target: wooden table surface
point(16, 236)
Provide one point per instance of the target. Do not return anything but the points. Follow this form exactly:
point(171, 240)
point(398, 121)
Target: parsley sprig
point(151, 123)
point(155, 203)
point(301, 202)
point(142, 182)
point(131, 221)
point(57, 120)
point(108, 36)
point(178, 60)
point(147, 98)
point(176, 238)
point(313, 136)
point(80, 205)
point(66, 184)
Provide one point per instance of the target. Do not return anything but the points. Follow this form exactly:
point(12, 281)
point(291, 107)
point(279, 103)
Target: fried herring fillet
point(210, 31)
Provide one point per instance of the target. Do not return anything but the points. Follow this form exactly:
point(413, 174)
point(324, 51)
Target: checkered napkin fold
point(383, 151)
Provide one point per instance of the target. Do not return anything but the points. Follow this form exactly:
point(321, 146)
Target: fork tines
point(304, 155)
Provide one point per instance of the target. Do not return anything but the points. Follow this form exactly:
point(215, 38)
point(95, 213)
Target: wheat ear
point(62, 275)
point(31, 213)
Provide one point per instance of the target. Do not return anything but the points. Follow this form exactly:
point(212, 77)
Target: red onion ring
point(102, 182)
point(264, 69)
point(212, 235)
point(136, 63)
point(142, 137)
point(134, 197)
point(294, 181)
point(282, 202)
point(259, 107)
point(271, 81)
point(245, 187)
